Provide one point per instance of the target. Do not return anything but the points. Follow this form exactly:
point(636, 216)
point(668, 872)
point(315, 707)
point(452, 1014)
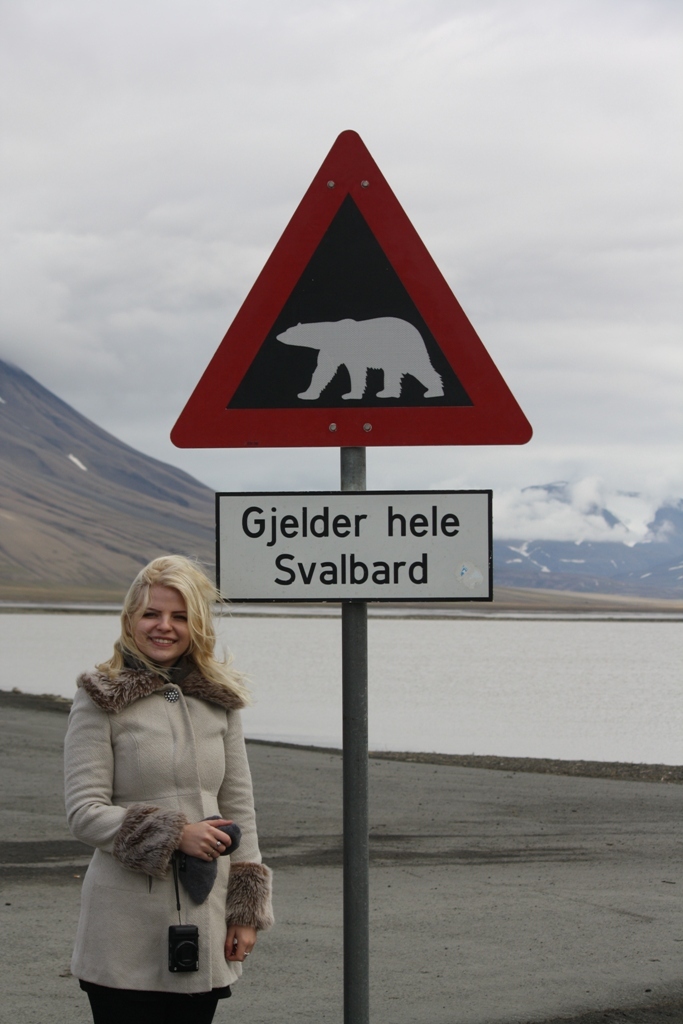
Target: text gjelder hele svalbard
point(348, 567)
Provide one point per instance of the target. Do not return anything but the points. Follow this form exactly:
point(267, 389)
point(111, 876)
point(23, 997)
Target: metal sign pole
point(355, 735)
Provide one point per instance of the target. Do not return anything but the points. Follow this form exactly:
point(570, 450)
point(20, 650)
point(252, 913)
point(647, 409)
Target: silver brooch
point(172, 696)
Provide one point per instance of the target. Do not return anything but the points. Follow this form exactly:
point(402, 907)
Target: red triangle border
point(493, 418)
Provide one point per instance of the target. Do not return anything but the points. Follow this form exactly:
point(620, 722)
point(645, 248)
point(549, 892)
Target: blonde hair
point(198, 592)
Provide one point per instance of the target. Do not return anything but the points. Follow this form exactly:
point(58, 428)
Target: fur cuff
point(147, 838)
point(249, 896)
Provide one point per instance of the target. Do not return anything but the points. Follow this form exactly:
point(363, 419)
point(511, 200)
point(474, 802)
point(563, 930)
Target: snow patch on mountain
point(77, 462)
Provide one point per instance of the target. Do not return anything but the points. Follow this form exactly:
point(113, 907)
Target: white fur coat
point(137, 769)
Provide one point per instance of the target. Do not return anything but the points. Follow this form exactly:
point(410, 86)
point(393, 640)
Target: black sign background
point(348, 276)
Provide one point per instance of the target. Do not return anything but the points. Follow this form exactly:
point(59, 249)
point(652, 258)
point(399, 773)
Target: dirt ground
point(508, 896)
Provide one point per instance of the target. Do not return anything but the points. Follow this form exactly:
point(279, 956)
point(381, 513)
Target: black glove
point(197, 876)
point(235, 833)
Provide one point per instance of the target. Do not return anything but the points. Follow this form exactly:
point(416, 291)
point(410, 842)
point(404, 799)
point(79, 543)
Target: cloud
point(155, 152)
point(584, 510)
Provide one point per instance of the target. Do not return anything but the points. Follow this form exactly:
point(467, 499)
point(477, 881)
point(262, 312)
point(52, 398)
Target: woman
point(154, 747)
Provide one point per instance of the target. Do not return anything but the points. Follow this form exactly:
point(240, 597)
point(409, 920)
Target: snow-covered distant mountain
point(564, 536)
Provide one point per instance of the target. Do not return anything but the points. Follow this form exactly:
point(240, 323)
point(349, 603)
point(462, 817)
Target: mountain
point(647, 567)
point(81, 512)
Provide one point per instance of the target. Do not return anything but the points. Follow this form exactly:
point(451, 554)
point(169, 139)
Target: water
point(593, 690)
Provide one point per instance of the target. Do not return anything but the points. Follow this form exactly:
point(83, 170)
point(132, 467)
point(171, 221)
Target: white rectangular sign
point(367, 546)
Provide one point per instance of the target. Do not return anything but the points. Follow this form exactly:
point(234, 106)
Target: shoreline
point(507, 601)
point(432, 612)
point(622, 771)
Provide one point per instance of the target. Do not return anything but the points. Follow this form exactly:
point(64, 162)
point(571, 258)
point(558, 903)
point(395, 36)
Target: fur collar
point(113, 695)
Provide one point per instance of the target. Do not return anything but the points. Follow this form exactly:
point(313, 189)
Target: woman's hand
point(202, 839)
point(239, 941)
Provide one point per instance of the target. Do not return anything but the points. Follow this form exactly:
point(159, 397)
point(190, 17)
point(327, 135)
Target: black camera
point(183, 947)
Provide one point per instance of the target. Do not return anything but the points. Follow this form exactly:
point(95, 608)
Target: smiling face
point(161, 632)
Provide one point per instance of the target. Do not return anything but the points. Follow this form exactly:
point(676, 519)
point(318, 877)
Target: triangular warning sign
point(350, 336)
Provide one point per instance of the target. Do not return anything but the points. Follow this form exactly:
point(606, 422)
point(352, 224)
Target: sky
point(154, 152)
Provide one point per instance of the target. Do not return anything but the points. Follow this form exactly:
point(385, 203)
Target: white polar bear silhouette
point(385, 343)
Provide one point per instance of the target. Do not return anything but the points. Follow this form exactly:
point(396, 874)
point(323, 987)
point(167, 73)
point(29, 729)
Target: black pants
point(124, 1006)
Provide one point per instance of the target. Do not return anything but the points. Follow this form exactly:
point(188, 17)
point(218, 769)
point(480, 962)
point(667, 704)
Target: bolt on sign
point(350, 336)
point(367, 545)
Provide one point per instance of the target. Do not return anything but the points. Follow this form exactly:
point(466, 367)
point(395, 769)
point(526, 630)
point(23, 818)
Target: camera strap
point(174, 861)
